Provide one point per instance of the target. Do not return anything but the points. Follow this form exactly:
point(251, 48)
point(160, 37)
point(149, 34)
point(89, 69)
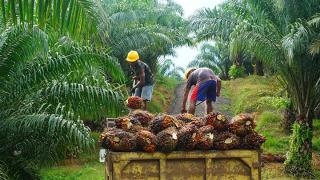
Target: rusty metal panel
point(185, 169)
point(232, 164)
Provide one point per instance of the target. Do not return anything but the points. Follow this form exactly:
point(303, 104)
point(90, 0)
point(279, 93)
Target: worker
point(143, 76)
point(206, 88)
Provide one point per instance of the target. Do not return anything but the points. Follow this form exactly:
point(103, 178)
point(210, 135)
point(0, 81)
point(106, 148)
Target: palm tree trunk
point(259, 68)
point(289, 118)
point(300, 154)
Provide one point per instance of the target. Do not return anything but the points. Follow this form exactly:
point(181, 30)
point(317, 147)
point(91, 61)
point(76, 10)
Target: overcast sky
point(186, 54)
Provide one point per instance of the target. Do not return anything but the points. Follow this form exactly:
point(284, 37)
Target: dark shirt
point(200, 75)
point(149, 80)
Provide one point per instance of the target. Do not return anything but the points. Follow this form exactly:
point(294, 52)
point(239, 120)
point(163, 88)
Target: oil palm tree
point(167, 68)
point(213, 57)
point(78, 18)
point(283, 35)
point(45, 92)
point(150, 27)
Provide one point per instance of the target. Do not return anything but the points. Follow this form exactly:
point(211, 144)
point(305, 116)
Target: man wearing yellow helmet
point(144, 76)
point(206, 88)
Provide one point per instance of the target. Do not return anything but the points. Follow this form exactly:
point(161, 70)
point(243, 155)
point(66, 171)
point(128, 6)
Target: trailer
point(181, 165)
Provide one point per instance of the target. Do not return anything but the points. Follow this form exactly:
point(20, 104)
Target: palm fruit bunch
point(136, 128)
point(118, 140)
point(164, 121)
point(134, 102)
point(253, 141)
point(198, 122)
point(146, 141)
point(129, 124)
point(205, 137)
point(143, 116)
point(273, 158)
point(226, 140)
point(107, 133)
point(219, 121)
point(242, 124)
point(185, 117)
point(167, 139)
point(187, 137)
point(125, 123)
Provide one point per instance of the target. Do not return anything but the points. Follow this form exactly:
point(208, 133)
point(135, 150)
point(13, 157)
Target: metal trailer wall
point(180, 165)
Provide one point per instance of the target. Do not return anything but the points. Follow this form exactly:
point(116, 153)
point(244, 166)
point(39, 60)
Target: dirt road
point(201, 109)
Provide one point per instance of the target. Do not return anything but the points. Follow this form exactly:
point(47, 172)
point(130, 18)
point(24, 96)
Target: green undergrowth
point(269, 125)
point(254, 94)
point(88, 171)
point(163, 95)
point(85, 167)
point(263, 96)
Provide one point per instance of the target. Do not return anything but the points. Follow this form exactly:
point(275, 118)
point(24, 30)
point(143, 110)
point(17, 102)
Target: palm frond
point(297, 40)
point(315, 47)
point(86, 101)
point(76, 17)
point(48, 131)
point(315, 21)
point(209, 24)
point(19, 45)
point(3, 174)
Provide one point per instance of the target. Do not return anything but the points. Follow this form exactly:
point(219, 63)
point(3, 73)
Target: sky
point(186, 54)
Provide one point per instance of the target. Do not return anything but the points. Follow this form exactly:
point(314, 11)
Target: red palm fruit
point(273, 158)
point(123, 142)
point(118, 140)
point(219, 121)
point(187, 137)
point(205, 137)
point(226, 140)
point(186, 117)
point(146, 141)
point(134, 102)
point(198, 122)
point(136, 128)
point(143, 116)
point(106, 135)
point(167, 140)
point(164, 121)
point(123, 123)
point(129, 124)
point(242, 124)
point(253, 141)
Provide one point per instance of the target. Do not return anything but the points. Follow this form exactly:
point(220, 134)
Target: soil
point(201, 108)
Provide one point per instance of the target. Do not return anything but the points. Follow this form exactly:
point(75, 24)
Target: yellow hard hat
point(133, 56)
point(188, 72)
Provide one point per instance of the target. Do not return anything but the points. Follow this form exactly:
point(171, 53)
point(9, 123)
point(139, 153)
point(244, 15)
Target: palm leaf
point(18, 45)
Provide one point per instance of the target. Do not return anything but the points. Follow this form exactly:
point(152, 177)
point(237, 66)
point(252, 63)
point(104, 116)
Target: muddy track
point(175, 107)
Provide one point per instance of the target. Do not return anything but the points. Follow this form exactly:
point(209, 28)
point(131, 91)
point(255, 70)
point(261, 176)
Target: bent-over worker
point(207, 88)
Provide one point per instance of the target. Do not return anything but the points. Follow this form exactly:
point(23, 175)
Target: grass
point(253, 94)
point(268, 124)
point(88, 171)
point(272, 171)
point(162, 95)
point(86, 167)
